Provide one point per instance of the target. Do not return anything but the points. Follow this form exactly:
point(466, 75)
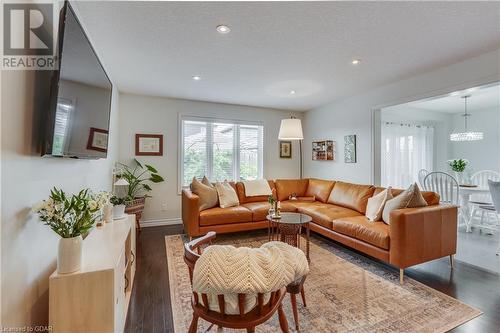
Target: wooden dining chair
point(243, 320)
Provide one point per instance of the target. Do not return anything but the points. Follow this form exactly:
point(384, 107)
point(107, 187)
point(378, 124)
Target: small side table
point(288, 229)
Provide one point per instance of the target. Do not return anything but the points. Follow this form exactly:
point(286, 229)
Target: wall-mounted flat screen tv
point(78, 117)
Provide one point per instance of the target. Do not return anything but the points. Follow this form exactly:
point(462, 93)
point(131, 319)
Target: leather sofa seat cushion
point(359, 227)
point(352, 196)
point(320, 189)
point(259, 210)
point(324, 214)
point(287, 187)
point(217, 215)
point(240, 190)
point(432, 198)
point(289, 206)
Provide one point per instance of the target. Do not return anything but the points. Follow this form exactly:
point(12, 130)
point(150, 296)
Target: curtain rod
point(406, 124)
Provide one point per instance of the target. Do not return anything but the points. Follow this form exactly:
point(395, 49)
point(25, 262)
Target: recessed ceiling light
point(355, 61)
point(196, 77)
point(223, 29)
point(292, 92)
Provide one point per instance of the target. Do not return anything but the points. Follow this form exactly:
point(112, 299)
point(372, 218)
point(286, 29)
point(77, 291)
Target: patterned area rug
point(343, 294)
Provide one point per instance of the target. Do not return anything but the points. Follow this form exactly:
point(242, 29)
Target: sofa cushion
point(206, 192)
point(323, 214)
point(319, 188)
point(352, 196)
point(217, 215)
point(259, 210)
point(240, 189)
point(290, 206)
point(287, 187)
point(432, 198)
point(376, 204)
point(359, 227)
point(227, 195)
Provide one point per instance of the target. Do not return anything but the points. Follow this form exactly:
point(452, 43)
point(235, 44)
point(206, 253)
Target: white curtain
point(405, 148)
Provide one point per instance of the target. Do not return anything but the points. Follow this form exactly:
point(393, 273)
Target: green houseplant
point(458, 165)
point(71, 217)
point(139, 177)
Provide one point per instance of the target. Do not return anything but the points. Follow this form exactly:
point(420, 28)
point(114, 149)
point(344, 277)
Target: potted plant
point(459, 165)
point(139, 178)
point(71, 217)
point(118, 206)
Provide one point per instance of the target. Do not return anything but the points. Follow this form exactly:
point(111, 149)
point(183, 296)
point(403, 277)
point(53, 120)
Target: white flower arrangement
point(71, 216)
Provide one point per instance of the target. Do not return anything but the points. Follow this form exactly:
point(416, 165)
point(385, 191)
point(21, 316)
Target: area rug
point(343, 294)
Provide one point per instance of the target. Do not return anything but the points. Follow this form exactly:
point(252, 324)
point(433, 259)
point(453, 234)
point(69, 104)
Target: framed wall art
point(350, 148)
point(149, 145)
point(323, 150)
point(285, 149)
point(98, 139)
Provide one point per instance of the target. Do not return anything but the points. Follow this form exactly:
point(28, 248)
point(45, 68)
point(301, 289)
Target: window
point(220, 150)
point(406, 149)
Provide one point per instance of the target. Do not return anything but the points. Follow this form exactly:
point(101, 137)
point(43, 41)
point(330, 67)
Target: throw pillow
point(207, 182)
point(410, 196)
point(208, 195)
point(376, 205)
point(227, 195)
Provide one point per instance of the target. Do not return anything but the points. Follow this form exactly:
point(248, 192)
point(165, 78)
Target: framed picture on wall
point(350, 148)
point(322, 150)
point(149, 144)
point(98, 139)
point(285, 149)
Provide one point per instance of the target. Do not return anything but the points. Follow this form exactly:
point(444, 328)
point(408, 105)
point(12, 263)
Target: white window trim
point(180, 149)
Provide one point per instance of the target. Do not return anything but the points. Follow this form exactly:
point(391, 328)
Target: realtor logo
point(28, 36)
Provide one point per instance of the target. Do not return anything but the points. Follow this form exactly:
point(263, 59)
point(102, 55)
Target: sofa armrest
point(418, 235)
point(190, 212)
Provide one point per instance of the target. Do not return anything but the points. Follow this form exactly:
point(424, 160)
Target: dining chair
point(421, 175)
point(248, 320)
point(443, 184)
point(480, 179)
point(491, 211)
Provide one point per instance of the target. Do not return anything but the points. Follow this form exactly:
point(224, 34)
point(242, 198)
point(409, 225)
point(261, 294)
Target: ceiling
point(480, 99)
point(155, 48)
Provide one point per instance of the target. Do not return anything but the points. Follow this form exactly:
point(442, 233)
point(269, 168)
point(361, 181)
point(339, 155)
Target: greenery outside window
point(220, 150)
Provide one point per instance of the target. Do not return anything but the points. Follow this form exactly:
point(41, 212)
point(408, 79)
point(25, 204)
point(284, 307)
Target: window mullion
point(209, 149)
point(236, 153)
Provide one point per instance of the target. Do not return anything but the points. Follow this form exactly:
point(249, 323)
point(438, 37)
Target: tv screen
point(78, 119)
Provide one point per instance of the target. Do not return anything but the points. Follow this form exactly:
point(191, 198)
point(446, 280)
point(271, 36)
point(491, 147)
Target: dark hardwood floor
point(150, 312)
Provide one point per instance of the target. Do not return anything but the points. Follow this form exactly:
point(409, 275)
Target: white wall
point(439, 120)
point(28, 248)
point(484, 154)
point(353, 115)
point(158, 115)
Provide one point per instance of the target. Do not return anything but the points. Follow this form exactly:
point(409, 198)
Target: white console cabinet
point(95, 299)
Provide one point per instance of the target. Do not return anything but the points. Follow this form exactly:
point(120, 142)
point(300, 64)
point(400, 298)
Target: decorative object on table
point(98, 139)
point(458, 166)
point(466, 135)
point(71, 217)
point(118, 207)
point(138, 176)
point(285, 149)
point(322, 150)
point(291, 129)
point(149, 144)
point(271, 200)
point(350, 148)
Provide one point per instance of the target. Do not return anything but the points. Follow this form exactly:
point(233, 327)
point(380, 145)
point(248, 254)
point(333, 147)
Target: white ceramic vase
point(118, 211)
point(69, 256)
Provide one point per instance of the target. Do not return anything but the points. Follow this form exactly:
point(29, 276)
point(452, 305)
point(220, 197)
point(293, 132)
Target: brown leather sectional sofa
point(414, 236)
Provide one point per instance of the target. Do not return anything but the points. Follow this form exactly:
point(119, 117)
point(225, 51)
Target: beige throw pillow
point(207, 182)
point(227, 195)
point(409, 198)
point(207, 194)
point(376, 205)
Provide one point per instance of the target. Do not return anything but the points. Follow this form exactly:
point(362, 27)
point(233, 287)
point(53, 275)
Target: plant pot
point(136, 207)
point(118, 211)
point(69, 255)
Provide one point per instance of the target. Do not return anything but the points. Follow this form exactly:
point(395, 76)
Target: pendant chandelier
point(466, 135)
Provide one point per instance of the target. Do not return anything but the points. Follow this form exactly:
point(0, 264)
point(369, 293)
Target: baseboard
point(160, 222)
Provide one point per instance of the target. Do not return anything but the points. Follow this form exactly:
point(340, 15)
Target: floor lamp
point(291, 129)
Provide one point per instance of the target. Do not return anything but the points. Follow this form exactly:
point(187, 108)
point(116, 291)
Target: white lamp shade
point(291, 129)
point(121, 182)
